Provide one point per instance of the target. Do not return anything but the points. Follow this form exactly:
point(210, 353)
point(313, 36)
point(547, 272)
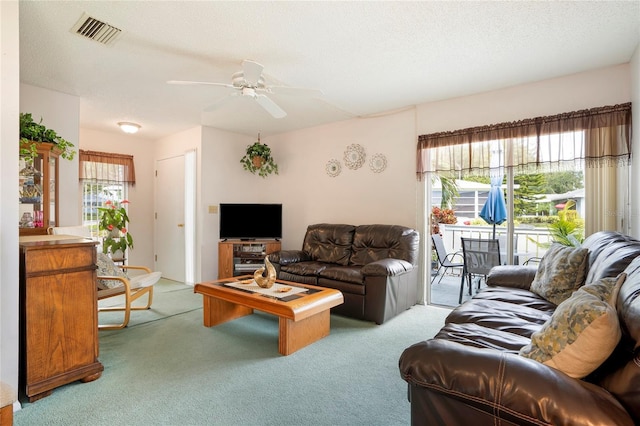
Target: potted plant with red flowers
point(113, 222)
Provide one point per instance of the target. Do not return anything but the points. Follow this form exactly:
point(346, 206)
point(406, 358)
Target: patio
point(447, 291)
point(527, 244)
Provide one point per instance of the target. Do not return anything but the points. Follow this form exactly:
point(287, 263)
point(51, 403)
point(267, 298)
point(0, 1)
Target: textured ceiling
point(366, 57)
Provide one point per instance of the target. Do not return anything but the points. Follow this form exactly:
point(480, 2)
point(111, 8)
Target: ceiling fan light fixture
point(249, 91)
point(129, 127)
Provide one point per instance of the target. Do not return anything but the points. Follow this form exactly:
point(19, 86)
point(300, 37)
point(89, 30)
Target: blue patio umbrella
point(494, 211)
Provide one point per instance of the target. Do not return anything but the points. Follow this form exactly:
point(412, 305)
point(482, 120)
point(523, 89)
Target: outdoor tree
point(529, 188)
point(562, 182)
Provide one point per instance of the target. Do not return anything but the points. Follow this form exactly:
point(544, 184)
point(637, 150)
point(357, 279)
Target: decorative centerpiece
point(261, 280)
point(113, 222)
point(258, 159)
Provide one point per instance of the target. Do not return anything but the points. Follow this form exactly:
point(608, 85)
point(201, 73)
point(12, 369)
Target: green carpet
point(166, 368)
point(169, 298)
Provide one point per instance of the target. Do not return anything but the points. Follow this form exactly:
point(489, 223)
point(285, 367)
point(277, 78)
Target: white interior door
point(169, 229)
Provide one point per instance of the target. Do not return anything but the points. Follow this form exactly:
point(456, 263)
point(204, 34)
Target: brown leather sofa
point(374, 266)
point(471, 373)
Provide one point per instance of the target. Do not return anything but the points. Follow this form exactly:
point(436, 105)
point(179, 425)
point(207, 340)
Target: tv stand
point(243, 257)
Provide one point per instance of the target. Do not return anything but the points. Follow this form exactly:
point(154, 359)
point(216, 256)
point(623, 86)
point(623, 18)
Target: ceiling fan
point(250, 83)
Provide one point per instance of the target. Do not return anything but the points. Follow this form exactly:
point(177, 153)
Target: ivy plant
point(258, 159)
point(31, 133)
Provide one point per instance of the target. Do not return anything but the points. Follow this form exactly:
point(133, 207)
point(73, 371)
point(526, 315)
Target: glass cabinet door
point(38, 191)
point(30, 190)
point(52, 178)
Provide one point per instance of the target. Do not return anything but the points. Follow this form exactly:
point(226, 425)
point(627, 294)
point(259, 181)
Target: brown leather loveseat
point(472, 372)
point(374, 266)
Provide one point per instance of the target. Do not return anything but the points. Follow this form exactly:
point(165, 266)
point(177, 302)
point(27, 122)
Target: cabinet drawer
point(70, 258)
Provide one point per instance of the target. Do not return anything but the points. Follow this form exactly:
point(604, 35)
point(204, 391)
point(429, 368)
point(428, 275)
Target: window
point(597, 141)
point(579, 158)
point(94, 194)
point(104, 176)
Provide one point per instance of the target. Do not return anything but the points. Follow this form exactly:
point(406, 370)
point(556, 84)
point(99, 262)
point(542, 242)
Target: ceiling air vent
point(96, 30)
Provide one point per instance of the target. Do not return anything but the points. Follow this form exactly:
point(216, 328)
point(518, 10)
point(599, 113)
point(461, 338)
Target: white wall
point(140, 196)
point(9, 136)
point(607, 86)
point(60, 112)
point(356, 197)
point(222, 181)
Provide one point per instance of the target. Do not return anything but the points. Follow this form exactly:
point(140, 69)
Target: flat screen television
point(250, 221)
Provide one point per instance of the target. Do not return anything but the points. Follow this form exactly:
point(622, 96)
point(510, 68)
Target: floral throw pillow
point(582, 332)
point(107, 268)
point(562, 270)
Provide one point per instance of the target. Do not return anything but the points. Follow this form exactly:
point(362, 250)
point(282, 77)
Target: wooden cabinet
point(58, 313)
point(39, 191)
point(237, 257)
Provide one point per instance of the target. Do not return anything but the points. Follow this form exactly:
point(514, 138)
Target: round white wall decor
point(354, 156)
point(378, 163)
point(333, 168)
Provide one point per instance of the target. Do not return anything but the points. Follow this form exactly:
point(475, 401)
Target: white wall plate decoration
point(333, 168)
point(354, 156)
point(378, 163)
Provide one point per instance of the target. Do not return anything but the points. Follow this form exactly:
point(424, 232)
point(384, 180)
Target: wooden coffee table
point(303, 317)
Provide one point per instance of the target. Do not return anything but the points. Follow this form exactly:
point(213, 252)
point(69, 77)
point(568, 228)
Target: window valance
point(107, 166)
point(592, 136)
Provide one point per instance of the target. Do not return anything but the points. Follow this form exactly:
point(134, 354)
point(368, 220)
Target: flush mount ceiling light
point(128, 127)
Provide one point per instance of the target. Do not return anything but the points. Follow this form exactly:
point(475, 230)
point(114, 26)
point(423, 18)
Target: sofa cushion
point(145, 280)
point(346, 288)
point(350, 274)
point(329, 243)
point(305, 268)
point(376, 242)
point(582, 332)
point(478, 336)
point(500, 315)
point(561, 271)
point(609, 254)
point(106, 268)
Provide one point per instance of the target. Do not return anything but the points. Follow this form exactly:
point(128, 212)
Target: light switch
point(213, 209)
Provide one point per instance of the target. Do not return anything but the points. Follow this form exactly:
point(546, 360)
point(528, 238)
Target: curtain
point(108, 167)
point(598, 138)
point(595, 136)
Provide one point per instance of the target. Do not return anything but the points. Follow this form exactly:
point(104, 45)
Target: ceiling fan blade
point(252, 72)
point(191, 83)
point(219, 102)
point(295, 91)
point(270, 106)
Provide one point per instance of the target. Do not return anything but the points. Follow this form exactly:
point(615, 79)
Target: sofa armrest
point(506, 386)
point(512, 276)
point(387, 267)
point(287, 257)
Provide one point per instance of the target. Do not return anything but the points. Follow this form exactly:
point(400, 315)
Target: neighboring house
point(557, 200)
point(471, 197)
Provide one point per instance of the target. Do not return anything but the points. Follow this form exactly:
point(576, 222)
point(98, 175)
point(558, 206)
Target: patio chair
point(446, 260)
point(480, 255)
